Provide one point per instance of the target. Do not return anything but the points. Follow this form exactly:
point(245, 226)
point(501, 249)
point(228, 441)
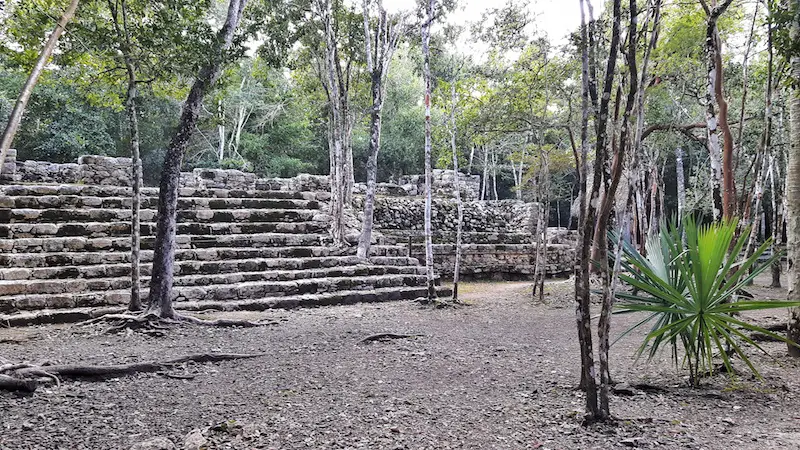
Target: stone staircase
point(65, 253)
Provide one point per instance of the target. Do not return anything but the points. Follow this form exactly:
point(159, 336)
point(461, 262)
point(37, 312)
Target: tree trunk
point(494, 174)
point(378, 66)
point(793, 189)
point(485, 184)
point(27, 89)
point(777, 222)
point(721, 159)
point(457, 189)
point(426, 41)
point(123, 35)
point(681, 183)
point(164, 248)
point(604, 322)
point(585, 226)
point(336, 117)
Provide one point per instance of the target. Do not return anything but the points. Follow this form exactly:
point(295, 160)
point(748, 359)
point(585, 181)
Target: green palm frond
point(685, 283)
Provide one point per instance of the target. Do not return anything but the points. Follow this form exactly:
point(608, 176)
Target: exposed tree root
point(153, 324)
point(439, 303)
point(387, 337)
point(27, 377)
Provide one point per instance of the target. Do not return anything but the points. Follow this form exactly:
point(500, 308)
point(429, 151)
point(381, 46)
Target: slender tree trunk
point(585, 227)
point(722, 183)
point(681, 183)
point(793, 188)
point(604, 322)
point(457, 189)
point(123, 35)
point(221, 132)
point(27, 89)
point(386, 38)
point(494, 174)
point(164, 252)
point(426, 40)
point(777, 222)
point(336, 117)
point(484, 186)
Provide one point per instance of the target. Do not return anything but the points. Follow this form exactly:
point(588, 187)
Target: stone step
point(77, 314)
point(151, 203)
point(226, 292)
point(182, 268)
point(394, 261)
point(115, 191)
point(38, 216)
point(111, 229)
point(217, 255)
point(311, 301)
point(74, 244)
point(122, 280)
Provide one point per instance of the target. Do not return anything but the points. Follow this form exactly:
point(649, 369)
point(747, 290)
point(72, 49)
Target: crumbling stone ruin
point(244, 242)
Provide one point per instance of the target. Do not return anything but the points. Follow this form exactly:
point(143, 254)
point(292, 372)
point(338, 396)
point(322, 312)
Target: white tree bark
point(386, 39)
point(793, 188)
point(426, 42)
point(456, 188)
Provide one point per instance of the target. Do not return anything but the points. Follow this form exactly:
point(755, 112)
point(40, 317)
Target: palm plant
point(686, 284)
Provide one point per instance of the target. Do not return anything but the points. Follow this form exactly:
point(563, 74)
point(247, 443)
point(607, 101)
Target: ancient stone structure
point(497, 238)
point(64, 250)
point(244, 242)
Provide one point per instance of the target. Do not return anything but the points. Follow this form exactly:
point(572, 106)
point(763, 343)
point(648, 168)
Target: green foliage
point(687, 284)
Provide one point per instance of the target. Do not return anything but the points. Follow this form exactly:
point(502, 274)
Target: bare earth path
point(497, 374)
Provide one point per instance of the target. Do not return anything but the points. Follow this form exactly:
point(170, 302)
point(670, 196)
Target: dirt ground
point(500, 373)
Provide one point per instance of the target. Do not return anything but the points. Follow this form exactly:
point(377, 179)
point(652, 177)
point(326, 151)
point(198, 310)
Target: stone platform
point(65, 250)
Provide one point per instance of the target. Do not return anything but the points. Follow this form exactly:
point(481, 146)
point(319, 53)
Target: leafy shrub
point(686, 284)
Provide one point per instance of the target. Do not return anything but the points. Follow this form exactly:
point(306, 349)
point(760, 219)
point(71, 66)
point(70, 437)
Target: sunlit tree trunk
point(164, 251)
point(27, 89)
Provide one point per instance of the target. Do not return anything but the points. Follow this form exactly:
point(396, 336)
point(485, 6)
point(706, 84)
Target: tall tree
point(793, 183)
point(721, 158)
point(22, 101)
point(585, 225)
point(119, 15)
point(426, 73)
point(387, 35)
point(164, 248)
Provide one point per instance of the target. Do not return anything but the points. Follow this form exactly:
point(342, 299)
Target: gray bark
point(793, 189)
point(457, 189)
point(123, 35)
point(386, 38)
point(681, 182)
point(426, 41)
point(164, 252)
point(585, 227)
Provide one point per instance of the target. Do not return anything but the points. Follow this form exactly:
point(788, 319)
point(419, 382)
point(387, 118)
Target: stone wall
point(443, 184)
point(497, 236)
point(407, 214)
point(498, 261)
point(89, 169)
